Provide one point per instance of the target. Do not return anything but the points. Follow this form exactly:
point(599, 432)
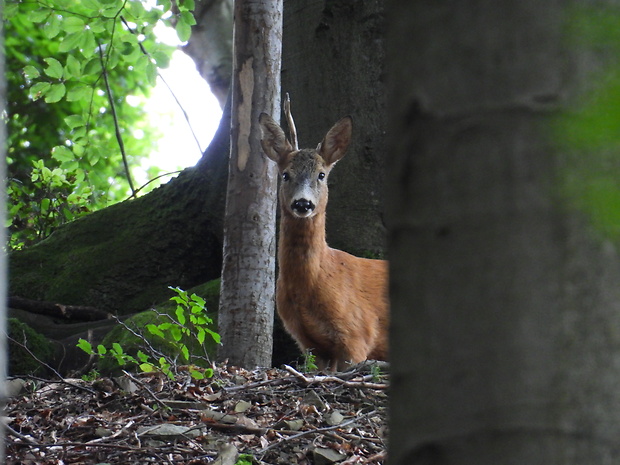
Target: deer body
point(331, 302)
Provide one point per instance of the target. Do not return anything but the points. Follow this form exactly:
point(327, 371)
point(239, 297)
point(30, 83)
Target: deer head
point(303, 190)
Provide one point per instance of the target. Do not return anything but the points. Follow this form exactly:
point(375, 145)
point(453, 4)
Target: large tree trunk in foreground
point(123, 258)
point(249, 267)
point(505, 303)
point(332, 66)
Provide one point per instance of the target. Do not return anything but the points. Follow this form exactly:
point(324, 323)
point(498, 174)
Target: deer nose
point(302, 206)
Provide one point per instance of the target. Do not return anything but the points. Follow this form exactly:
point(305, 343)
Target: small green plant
point(375, 372)
point(245, 459)
point(309, 362)
point(190, 323)
point(92, 375)
point(53, 197)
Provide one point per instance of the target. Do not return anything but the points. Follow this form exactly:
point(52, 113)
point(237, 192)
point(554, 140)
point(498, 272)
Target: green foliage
point(21, 361)
point(92, 375)
point(245, 459)
point(71, 66)
point(309, 362)
point(588, 133)
point(375, 372)
point(190, 324)
point(51, 198)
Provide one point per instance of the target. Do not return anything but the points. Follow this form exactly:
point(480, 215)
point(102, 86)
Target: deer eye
point(285, 177)
point(321, 176)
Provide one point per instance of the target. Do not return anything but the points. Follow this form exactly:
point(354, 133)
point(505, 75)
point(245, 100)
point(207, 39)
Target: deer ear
point(336, 142)
point(273, 140)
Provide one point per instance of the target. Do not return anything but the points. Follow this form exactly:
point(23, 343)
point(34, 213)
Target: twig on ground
point(334, 379)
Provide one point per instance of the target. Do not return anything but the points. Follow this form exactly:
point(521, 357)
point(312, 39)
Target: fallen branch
point(54, 310)
point(334, 379)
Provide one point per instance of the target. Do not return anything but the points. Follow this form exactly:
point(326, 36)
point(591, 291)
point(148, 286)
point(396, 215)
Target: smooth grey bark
point(210, 45)
point(505, 305)
point(248, 272)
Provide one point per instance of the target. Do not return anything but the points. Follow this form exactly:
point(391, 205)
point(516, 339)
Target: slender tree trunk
point(248, 273)
point(505, 303)
point(3, 268)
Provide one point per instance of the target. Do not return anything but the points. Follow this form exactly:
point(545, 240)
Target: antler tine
point(291, 124)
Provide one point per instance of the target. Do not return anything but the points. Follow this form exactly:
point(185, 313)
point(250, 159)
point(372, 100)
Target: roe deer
point(331, 302)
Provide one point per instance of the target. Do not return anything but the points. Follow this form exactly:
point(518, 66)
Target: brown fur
point(331, 302)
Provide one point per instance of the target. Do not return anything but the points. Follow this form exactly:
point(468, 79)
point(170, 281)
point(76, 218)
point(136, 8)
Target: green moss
point(20, 361)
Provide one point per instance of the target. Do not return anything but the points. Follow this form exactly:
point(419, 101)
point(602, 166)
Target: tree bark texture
point(333, 65)
point(248, 273)
point(505, 305)
point(210, 45)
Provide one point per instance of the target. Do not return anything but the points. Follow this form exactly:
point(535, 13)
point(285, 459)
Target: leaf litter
point(262, 416)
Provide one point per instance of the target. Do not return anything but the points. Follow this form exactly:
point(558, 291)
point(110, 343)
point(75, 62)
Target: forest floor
point(268, 416)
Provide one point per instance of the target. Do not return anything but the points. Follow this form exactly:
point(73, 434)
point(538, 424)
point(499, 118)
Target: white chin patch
point(298, 214)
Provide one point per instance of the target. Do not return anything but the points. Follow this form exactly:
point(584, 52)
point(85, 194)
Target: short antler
point(291, 124)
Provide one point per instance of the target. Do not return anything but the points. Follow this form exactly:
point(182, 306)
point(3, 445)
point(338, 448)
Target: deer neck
point(301, 243)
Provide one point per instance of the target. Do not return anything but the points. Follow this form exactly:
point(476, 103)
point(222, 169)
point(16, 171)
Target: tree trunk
point(3, 210)
point(248, 273)
point(504, 300)
point(210, 45)
point(332, 66)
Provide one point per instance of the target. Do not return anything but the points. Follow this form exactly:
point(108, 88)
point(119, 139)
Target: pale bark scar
point(246, 84)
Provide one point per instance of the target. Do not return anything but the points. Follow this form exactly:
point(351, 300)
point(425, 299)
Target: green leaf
point(39, 90)
point(88, 44)
point(74, 121)
point(147, 367)
point(188, 18)
point(92, 67)
point(85, 346)
point(200, 336)
point(52, 27)
point(161, 58)
point(37, 15)
point(62, 153)
point(154, 330)
point(70, 42)
point(167, 4)
point(185, 352)
point(117, 349)
point(73, 68)
point(214, 335)
point(180, 313)
point(188, 4)
point(55, 93)
point(10, 10)
point(78, 93)
point(73, 24)
point(198, 300)
point(127, 48)
point(175, 332)
point(197, 374)
point(54, 68)
point(30, 72)
point(101, 350)
point(45, 205)
point(184, 30)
